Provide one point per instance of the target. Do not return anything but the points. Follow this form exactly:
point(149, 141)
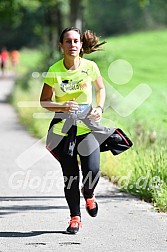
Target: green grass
point(28, 89)
point(29, 59)
point(147, 125)
point(142, 170)
point(145, 52)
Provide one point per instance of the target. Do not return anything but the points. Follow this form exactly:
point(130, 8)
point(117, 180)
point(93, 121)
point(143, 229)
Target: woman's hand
point(70, 106)
point(96, 114)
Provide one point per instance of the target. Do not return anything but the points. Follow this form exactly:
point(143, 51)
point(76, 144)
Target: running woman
point(67, 89)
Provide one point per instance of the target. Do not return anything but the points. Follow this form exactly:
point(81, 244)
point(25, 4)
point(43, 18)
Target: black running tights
point(88, 151)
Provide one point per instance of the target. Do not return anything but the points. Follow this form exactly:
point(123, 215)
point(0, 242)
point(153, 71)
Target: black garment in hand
point(113, 139)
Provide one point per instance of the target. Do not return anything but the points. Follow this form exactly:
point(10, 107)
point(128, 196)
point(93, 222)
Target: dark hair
point(88, 38)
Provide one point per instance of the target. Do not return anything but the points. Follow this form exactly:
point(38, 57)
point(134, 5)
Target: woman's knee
point(71, 181)
point(91, 179)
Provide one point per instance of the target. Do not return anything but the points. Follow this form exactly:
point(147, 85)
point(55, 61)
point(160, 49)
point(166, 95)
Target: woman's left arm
point(96, 113)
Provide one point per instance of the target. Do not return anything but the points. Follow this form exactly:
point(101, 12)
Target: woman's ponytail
point(90, 43)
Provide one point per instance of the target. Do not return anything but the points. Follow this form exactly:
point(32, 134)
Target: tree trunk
point(76, 13)
point(53, 18)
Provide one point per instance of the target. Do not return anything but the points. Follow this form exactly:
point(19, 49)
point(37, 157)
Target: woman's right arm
point(47, 103)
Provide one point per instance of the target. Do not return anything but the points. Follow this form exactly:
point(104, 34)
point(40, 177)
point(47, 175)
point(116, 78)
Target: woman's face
point(72, 44)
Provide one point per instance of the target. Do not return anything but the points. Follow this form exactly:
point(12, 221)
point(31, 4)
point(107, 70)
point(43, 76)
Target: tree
point(77, 12)
point(109, 17)
point(53, 23)
point(31, 23)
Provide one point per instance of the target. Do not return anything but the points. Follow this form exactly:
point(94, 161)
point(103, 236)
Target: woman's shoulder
point(88, 62)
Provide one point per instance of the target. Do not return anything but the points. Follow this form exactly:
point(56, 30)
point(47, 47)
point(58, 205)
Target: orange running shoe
point(75, 224)
point(92, 206)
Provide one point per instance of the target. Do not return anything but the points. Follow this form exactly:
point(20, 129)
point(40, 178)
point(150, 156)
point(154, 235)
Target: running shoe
point(92, 206)
point(74, 225)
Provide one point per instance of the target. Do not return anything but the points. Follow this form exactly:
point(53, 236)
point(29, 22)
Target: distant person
point(14, 55)
point(72, 79)
point(4, 59)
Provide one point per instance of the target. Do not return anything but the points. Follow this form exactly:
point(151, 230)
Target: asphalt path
point(33, 211)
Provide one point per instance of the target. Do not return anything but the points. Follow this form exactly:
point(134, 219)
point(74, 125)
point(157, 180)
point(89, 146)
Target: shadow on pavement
point(31, 208)
point(109, 194)
point(28, 234)
point(115, 196)
point(15, 209)
point(29, 198)
point(5, 101)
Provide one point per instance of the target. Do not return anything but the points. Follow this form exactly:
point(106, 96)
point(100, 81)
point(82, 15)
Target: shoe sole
point(72, 233)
